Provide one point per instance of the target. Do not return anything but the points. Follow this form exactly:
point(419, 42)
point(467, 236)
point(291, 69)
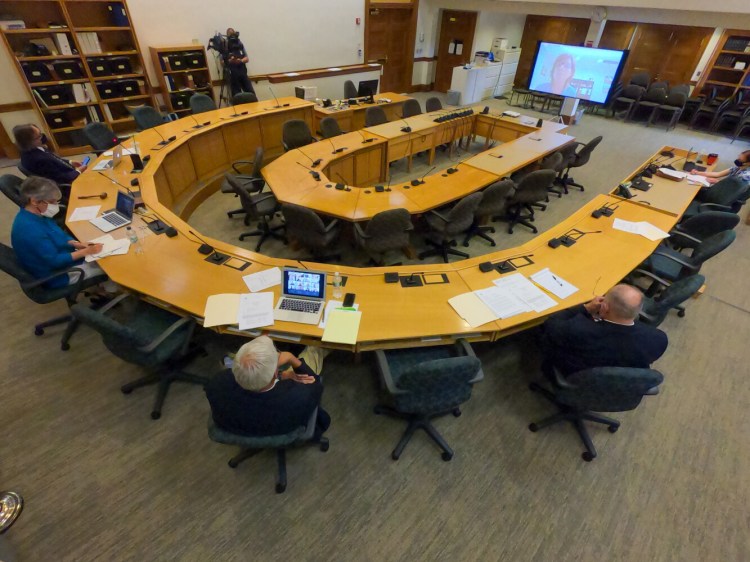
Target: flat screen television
point(576, 72)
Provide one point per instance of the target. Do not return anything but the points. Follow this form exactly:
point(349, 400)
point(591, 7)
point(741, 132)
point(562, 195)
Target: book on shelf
point(39, 98)
point(170, 83)
point(89, 42)
point(107, 113)
point(93, 114)
point(63, 45)
point(49, 43)
point(165, 64)
point(78, 94)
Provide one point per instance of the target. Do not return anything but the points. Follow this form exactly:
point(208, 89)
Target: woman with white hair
point(267, 392)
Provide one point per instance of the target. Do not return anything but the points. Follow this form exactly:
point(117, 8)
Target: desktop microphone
point(276, 100)
point(126, 188)
point(341, 186)
point(420, 181)
point(205, 248)
point(163, 140)
point(336, 150)
point(454, 169)
point(313, 173)
point(364, 139)
point(198, 125)
point(314, 163)
point(405, 129)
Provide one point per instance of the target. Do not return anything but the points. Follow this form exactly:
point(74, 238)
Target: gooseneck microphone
point(199, 125)
point(164, 141)
point(205, 248)
point(125, 187)
point(313, 173)
point(406, 128)
point(278, 105)
point(342, 185)
point(420, 181)
point(365, 139)
point(314, 163)
point(336, 150)
point(454, 169)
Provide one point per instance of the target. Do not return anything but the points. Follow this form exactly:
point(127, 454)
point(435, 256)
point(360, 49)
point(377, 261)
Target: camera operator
point(236, 59)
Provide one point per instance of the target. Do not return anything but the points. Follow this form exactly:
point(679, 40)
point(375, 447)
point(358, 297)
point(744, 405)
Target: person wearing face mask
point(41, 246)
point(39, 160)
point(741, 168)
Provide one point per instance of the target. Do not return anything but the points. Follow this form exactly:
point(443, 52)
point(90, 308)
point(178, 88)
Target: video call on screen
point(304, 284)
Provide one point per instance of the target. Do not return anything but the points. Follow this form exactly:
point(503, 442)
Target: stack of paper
point(330, 306)
point(110, 247)
point(698, 180)
point(247, 310)
point(472, 309)
point(644, 228)
point(342, 326)
point(85, 213)
point(256, 282)
point(514, 295)
point(554, 283)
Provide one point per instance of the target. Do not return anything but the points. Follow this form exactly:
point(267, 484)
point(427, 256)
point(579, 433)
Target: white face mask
point(52, 210)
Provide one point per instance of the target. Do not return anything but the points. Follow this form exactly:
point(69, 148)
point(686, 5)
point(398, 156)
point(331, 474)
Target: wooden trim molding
point(18, 106)
point(322, 73)
point(424, 59)
point(422, 87)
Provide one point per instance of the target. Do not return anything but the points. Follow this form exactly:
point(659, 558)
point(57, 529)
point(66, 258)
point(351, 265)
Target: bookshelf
point(80, 62)
point(728, 69)
point(182, 72)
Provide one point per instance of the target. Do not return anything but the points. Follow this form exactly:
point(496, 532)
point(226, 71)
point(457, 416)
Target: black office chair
point(387, 231)
point(641, 79)
point(329, 127)
point(494, 202)
point(708, 111)
point(10, 185)
point(627, 99)
point(261, 207)
point(532, 188)
point(252, 182)
point(23, 170)
point(307, 229)
point(656, 308)
point(727, 195)
point(732, 114)
point(375, 116)
point(200, 103)
point(36, 291)
point(742, 125)
point(147, 336)
point(250, 446)
point(296, 133)
point(674, 105)
point(602, 389)
point(445, 226)
point(433, 104)
point(655, 96)
point(424, 383)
point(350, 90)
point(146, 117)
point(575, 159)
point(100, 137)
point(244, 97)
point(411, 108)
point(693, 230)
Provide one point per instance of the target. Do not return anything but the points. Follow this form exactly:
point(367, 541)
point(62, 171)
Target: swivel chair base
point(443, 250)
point(418, 421)
point(515, 217)
point(479, 230)
point(67, 334)
point(265, 231)
point(575, 417)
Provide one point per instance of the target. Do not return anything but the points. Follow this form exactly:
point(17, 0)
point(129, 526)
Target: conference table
point(351, 117)
point(171, 273)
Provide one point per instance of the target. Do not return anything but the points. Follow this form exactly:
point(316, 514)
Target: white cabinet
point(509, 58)
point(477, 83)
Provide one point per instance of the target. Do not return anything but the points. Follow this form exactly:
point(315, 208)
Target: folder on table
point(342, 326)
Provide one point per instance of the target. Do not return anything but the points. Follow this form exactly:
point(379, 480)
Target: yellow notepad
point(342, 326)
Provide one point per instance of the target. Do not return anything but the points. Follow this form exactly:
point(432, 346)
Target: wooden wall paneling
point(209, 154)
point(342, 171)
point(181, 175)
point(272, 124)
point(241, 139)
point(617, 35)
point(369, 166)
point(163, 191)
point(686, 49)
point(454, 25)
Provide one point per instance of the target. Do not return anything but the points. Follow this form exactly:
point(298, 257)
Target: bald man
point(604, 332)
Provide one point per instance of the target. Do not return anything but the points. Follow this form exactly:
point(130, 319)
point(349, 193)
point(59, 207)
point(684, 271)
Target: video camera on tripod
point(224, 44)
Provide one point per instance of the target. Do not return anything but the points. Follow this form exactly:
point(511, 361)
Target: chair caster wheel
point(533, 427)
point(232, 464)
point(613, 428)
point(588, 457)
point(38, 331)
point(395, 456)
point(155, 415)
point(64, 346)
point(681, 314)
point(456, 413)
point(446, 456)
point(492, 230)
point(280, 488)
point(535, 231)
point(324, 445)
point(493, 244)
point(466, 244)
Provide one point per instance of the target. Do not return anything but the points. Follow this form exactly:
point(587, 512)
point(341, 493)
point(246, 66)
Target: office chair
point(655, 96)
point(261, 207)
point(674, 105)
point(494, 202)
point(10, 185)
point(532, 188)
point(446, 225)
point(296, 133)
point(387, 231)
point(23, 170)
point(575, 159)
point(628, 97)
point(728, 195)
point(411, 108)
point(145, 335)
point(100, 137)
point(555, 161)
point(641, 79)
point(200, 103)
point(733, 113)
point(656, 308)
point(602, 389)
point(250, 446)
point(375, 116)
point(693, 230)
point(330, 128)
point(253, 182)
point(433, 104)
point(424, 383)
point(350, 90)
point(307, 229)
point(35, 290)
point(709, 111)
point(244, 97)
point(146, 117)
point(743, 124)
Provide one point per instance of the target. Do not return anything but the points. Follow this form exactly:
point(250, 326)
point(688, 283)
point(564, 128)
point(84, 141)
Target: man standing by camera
point(236, 60)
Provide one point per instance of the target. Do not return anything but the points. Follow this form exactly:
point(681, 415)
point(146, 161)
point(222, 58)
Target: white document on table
point(332, 305)
point(261, 280)
point(698, 180)
point(110, 247)
point(471, 308)
point(502, 302)
point(124, 151)
point(536, 299)
point(554, 283)
point(673, 174)
point(626, 226)
point(85, 213)
point(643, 228)
point(255, 310)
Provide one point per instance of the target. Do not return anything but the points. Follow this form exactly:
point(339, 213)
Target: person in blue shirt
point(41, 246)
point(741, 168)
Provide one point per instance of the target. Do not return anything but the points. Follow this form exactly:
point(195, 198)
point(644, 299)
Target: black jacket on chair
point(574, 341)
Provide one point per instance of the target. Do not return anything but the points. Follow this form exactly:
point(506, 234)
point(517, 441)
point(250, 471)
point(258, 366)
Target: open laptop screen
point(125, 204)
point(304, 283)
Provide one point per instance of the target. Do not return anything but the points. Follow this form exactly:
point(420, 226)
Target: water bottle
point(134, 241)
point(337, 293)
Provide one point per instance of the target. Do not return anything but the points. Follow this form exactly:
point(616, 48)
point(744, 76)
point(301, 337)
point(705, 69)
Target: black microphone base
point(205, 249)
point(217, 258)
point(415, 183)
point(451, 170)
point(406, 129)
point(411, 281)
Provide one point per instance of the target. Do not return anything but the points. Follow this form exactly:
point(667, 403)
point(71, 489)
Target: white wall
point(497, 24)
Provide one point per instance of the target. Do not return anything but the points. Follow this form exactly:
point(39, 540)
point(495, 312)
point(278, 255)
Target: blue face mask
point(739, 163)
point(44, 139)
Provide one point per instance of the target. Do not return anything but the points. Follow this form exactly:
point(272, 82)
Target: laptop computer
point(110, 164)
point(303, 296)
point(121, 215)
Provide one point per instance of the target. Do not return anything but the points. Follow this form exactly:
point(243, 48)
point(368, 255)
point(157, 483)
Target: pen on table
point(556, 279)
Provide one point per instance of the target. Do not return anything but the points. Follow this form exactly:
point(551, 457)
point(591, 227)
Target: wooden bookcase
point(720, 73)
point(86, 65)
point(182, 71)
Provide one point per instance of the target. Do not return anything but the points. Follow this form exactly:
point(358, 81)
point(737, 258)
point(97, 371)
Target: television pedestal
point(568, 110)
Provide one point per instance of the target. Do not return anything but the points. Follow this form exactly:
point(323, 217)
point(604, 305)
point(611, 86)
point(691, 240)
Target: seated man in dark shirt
point(40, 161)
point(604, 332)
point(267, 392)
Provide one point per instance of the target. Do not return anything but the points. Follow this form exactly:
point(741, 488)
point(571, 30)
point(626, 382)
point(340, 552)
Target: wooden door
point(389, 39)
point(456, 28)
point(569, 31)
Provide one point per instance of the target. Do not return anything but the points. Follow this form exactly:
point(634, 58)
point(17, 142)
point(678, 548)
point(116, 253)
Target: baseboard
point(422, 87)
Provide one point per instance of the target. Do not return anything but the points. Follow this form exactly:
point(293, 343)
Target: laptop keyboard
point(114, 219)
point(295, 305)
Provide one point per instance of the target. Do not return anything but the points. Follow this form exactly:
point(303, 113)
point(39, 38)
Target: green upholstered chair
point(375, 116)
point(251, 446)
point(305, 228)
point(261, 207)
point(656, 308)
point(244, 97)
point(350, 90)
point(411, 108)
point(494, 202)
point(146, 117)
point(200, 103)
point(388, 230)
point(728, 195)
point(693, 230)
point(37, 292)
point(100, 137)
point(446, 225)
point(603, 389)
point(145, 335)
point(424, 383)
point(575, 158)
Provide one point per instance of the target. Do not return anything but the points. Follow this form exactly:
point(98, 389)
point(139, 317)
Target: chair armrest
point(653, 391)
point(683, 263)
point(653, 276)
point(677, 233)
point(114, 302)
point(646, 316)
point(715, 207)
point(385, 373)
point(438, 215)
point(331, 225)
point(37, 282)
point(235, 164)
point(560, 380)
point(464, 348)
point(168, 332)
point(360, 232)
point(259, 198)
